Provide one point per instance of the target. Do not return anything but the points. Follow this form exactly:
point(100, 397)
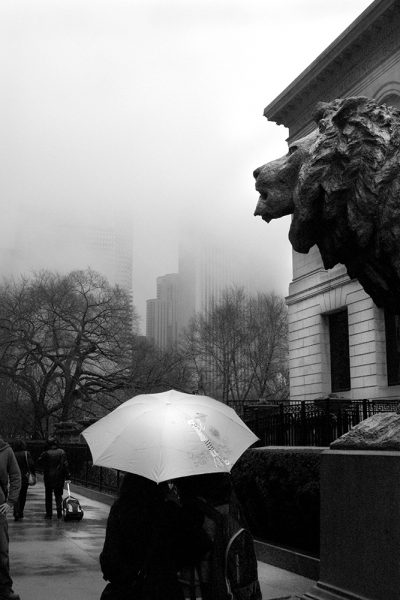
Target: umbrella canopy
point(168, 435)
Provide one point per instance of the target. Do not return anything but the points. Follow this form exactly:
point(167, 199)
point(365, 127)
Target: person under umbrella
point(156, 438)
point(149, 537)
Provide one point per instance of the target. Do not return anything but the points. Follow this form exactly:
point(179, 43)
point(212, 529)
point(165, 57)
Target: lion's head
point(342, 185)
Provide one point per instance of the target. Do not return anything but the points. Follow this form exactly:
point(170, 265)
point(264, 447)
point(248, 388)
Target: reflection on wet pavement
point(44, 554)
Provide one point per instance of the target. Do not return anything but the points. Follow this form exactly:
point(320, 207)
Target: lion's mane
point(347, 195)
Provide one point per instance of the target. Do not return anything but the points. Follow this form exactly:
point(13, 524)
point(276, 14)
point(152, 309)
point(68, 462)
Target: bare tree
point(267, 346)
point(156, 370)
point(16, 414)
point(64, 339)
point(238, 348)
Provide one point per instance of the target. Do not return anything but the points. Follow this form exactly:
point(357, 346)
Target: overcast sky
point(155, 105)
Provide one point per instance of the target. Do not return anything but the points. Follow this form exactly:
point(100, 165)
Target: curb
point(290, 560)
point(92, 494)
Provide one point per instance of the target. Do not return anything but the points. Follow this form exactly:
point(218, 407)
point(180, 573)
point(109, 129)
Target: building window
point(339, 348)
point(392, 328)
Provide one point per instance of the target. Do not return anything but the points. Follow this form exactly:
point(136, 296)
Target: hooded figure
point(10, 483)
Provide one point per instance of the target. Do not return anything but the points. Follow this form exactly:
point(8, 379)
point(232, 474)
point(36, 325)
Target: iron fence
point(306, 423)
point(82, 470)
point(312, 423)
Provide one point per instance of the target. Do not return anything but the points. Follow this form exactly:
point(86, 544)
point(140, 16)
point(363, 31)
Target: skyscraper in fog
point(206, 269)
point(110, 250)
point(162, 312)
point(68, 241)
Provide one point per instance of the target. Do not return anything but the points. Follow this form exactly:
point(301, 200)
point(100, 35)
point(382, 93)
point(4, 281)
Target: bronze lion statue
point(342, 185)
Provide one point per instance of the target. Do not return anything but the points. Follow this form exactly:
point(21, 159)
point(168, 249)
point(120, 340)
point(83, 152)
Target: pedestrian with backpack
point(55, 467)
point(10, 483)
point(148, 538)
point(229, 570)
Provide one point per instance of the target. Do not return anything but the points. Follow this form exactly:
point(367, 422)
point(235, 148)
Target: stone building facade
point(339, 341)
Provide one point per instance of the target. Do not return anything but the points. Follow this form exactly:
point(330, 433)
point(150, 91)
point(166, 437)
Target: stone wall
point(311, 299)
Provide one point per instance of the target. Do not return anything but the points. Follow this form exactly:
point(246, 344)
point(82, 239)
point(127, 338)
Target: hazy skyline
point(154, 108)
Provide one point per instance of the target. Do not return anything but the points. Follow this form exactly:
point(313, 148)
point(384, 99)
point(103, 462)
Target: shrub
point(279, 491)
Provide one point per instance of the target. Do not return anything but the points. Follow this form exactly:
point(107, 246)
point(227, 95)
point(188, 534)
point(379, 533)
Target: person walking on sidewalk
point(10, 483)
point(26, 466)
point(55, 472)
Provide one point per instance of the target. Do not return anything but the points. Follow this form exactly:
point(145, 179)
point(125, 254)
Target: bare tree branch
point(238, 349)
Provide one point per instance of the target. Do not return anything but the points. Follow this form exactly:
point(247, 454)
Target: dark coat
point(26, 464)
point(10, 475)
point(55, 466)
point(157, 537)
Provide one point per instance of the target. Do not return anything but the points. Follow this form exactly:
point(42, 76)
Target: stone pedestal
point(360, 526)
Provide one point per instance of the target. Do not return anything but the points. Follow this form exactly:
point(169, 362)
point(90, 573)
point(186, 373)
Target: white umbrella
point(168, 435)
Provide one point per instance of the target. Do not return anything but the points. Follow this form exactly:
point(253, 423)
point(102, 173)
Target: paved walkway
point(54, 560)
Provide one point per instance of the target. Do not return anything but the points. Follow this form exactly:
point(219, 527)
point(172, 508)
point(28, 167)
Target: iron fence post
point(339, 423)
point(365, 408)
point(327, 429)
point(303, 423)
point(281, 426)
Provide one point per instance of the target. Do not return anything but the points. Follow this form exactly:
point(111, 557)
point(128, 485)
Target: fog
point(149, 113)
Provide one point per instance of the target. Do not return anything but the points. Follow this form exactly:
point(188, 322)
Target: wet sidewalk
point(55, 560)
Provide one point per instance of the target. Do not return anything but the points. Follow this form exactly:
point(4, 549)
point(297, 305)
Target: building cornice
point(374, 35)
point(339, 281)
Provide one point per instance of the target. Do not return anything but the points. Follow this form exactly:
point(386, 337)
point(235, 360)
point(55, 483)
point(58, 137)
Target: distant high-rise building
point(112, 253)
point(206, 269)
point(151, 319)
point(162, 312)
point(204, 274)
point(67, 241)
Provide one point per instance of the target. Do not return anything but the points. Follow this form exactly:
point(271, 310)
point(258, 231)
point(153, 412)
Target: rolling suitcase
point(71, 508)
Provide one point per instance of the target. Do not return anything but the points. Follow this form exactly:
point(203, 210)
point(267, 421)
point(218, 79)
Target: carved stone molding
point(352, 62)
